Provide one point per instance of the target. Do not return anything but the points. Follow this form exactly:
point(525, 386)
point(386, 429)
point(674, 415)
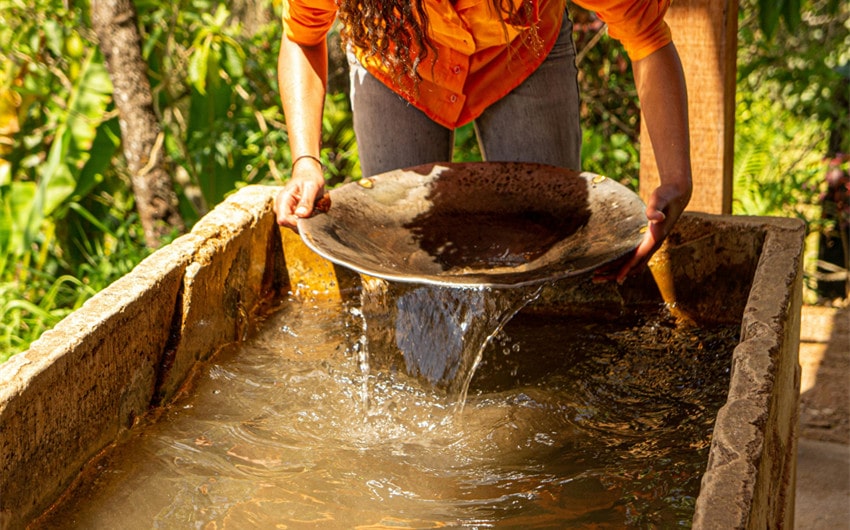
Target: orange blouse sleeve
point(638, 24)
point(306, 22)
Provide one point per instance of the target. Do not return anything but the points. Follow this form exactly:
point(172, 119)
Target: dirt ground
point(825, 384)
point(823, 456)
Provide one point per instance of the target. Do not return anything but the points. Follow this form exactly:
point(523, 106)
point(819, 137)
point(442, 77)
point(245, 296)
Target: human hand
point(663, 209)
point(297, 198)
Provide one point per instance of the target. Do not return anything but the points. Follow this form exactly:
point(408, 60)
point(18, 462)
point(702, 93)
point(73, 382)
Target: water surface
point(568, 423)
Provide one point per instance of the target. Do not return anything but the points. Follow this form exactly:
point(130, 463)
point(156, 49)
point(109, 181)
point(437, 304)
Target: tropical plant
point(790, 12)
point(792, 117)
point(58, 138)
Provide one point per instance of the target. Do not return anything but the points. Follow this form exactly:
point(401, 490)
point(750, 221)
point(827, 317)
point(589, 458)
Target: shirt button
point(453, 98)
point(456, 69)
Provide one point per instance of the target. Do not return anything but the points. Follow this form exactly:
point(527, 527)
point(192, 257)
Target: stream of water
point(329, 417)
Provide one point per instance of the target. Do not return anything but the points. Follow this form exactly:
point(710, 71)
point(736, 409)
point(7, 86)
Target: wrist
point(314, 158)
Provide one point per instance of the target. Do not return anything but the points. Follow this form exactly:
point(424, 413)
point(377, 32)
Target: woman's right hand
point(297, 198)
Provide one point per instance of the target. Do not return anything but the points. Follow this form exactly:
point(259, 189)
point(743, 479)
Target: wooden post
point(705, 34)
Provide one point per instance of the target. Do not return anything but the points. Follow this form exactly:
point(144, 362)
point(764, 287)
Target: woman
point(421, 68)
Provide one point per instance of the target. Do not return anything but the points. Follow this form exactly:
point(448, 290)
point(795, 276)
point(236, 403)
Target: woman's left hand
point(663, 96)
point(663, 209)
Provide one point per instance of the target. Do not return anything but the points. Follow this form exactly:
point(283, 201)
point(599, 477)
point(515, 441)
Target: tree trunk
point(251, 14)
point(116, 24)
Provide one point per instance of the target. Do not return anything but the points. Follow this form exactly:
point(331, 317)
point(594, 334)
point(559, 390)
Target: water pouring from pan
point(451, 252)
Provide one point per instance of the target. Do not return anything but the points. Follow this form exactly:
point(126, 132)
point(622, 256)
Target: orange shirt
point(480, 60)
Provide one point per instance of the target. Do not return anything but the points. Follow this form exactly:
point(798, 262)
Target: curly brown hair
point(396, 31)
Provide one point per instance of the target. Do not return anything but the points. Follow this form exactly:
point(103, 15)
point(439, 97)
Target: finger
point(647, 247)
point(609, 271)
point(638, 259)
point(656, 216)
point(308, 199)
point(655, 208)
point(284, 204)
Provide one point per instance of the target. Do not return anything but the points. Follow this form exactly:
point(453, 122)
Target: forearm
point(664, 102)
point(302, 76)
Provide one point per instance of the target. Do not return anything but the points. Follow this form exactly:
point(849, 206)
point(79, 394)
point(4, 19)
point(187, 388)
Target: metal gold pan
point(497, 224)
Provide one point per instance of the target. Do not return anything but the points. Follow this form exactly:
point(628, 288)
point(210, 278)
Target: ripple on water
point(568, 422)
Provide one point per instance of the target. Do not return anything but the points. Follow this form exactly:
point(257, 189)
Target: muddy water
point(576, 422)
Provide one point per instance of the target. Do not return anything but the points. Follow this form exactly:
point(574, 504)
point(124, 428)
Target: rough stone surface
point(71, 393)
point(225, 282)
point(706, 268)
point(751, 467)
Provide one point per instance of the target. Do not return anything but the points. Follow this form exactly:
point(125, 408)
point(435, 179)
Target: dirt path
point(825, 385)
point(823, 456)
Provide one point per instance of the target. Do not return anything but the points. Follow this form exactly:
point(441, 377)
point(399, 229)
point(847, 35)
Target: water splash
point(435, 333)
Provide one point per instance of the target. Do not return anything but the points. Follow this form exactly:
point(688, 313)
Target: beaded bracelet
point(317, 159)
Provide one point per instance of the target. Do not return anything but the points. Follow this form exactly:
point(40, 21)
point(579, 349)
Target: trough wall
point(129, 348)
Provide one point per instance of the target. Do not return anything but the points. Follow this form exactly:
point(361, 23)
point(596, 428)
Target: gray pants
point(536, 122)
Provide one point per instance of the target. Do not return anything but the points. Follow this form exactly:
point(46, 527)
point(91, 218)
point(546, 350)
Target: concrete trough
point(134, 345)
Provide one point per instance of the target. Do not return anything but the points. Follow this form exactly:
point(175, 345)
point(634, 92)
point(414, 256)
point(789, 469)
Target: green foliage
point(65, 211)
point(616, 156)
point(23, 321)
point(791, 100)
point(805, 75)
point(778, 160)
point(339, 145)
point(34, 296)
point(466, 145)
point(65, 198)
point(610, 114)
point(792, 113)
point(772, 12)
point(217, 98)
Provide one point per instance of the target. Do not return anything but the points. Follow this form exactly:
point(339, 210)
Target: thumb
point(308, 198)
point(655, 207)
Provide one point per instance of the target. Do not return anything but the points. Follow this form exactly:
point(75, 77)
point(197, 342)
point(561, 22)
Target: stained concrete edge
point(103, 358)
point(751, 462)
point(222, 285)
point(107, 357)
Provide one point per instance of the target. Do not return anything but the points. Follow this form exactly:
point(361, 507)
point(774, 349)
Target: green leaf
point(198, 66)
point(769, 11)
point(76, 131)
point(103, 148)
point(791, 14)
point(54, 37)
point(17, 202)
point(832, 6)
point(233, 59)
